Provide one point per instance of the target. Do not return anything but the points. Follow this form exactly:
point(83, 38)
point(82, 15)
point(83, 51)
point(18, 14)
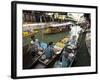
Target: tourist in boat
point(49, 51)
point(35, 47)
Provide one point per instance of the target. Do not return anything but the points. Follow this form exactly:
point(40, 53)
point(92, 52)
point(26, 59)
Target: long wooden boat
point(58, 27)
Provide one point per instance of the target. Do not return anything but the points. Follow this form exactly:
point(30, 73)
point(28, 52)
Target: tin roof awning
point(61, 24)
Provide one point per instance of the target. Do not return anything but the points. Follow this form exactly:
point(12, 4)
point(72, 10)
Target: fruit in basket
point(60, 44)
point(25, 33)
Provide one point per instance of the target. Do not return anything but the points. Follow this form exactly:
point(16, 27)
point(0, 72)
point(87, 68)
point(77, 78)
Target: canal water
point(46, 38)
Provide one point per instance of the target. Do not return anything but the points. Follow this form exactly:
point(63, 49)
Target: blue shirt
point(49, 52)
point(73, 42)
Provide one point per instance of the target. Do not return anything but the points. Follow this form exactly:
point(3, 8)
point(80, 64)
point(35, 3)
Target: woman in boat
point(37, 43)
point(34, 49)
point(72, 42)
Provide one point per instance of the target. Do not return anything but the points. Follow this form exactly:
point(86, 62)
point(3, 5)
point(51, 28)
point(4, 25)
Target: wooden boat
point(58, 27)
